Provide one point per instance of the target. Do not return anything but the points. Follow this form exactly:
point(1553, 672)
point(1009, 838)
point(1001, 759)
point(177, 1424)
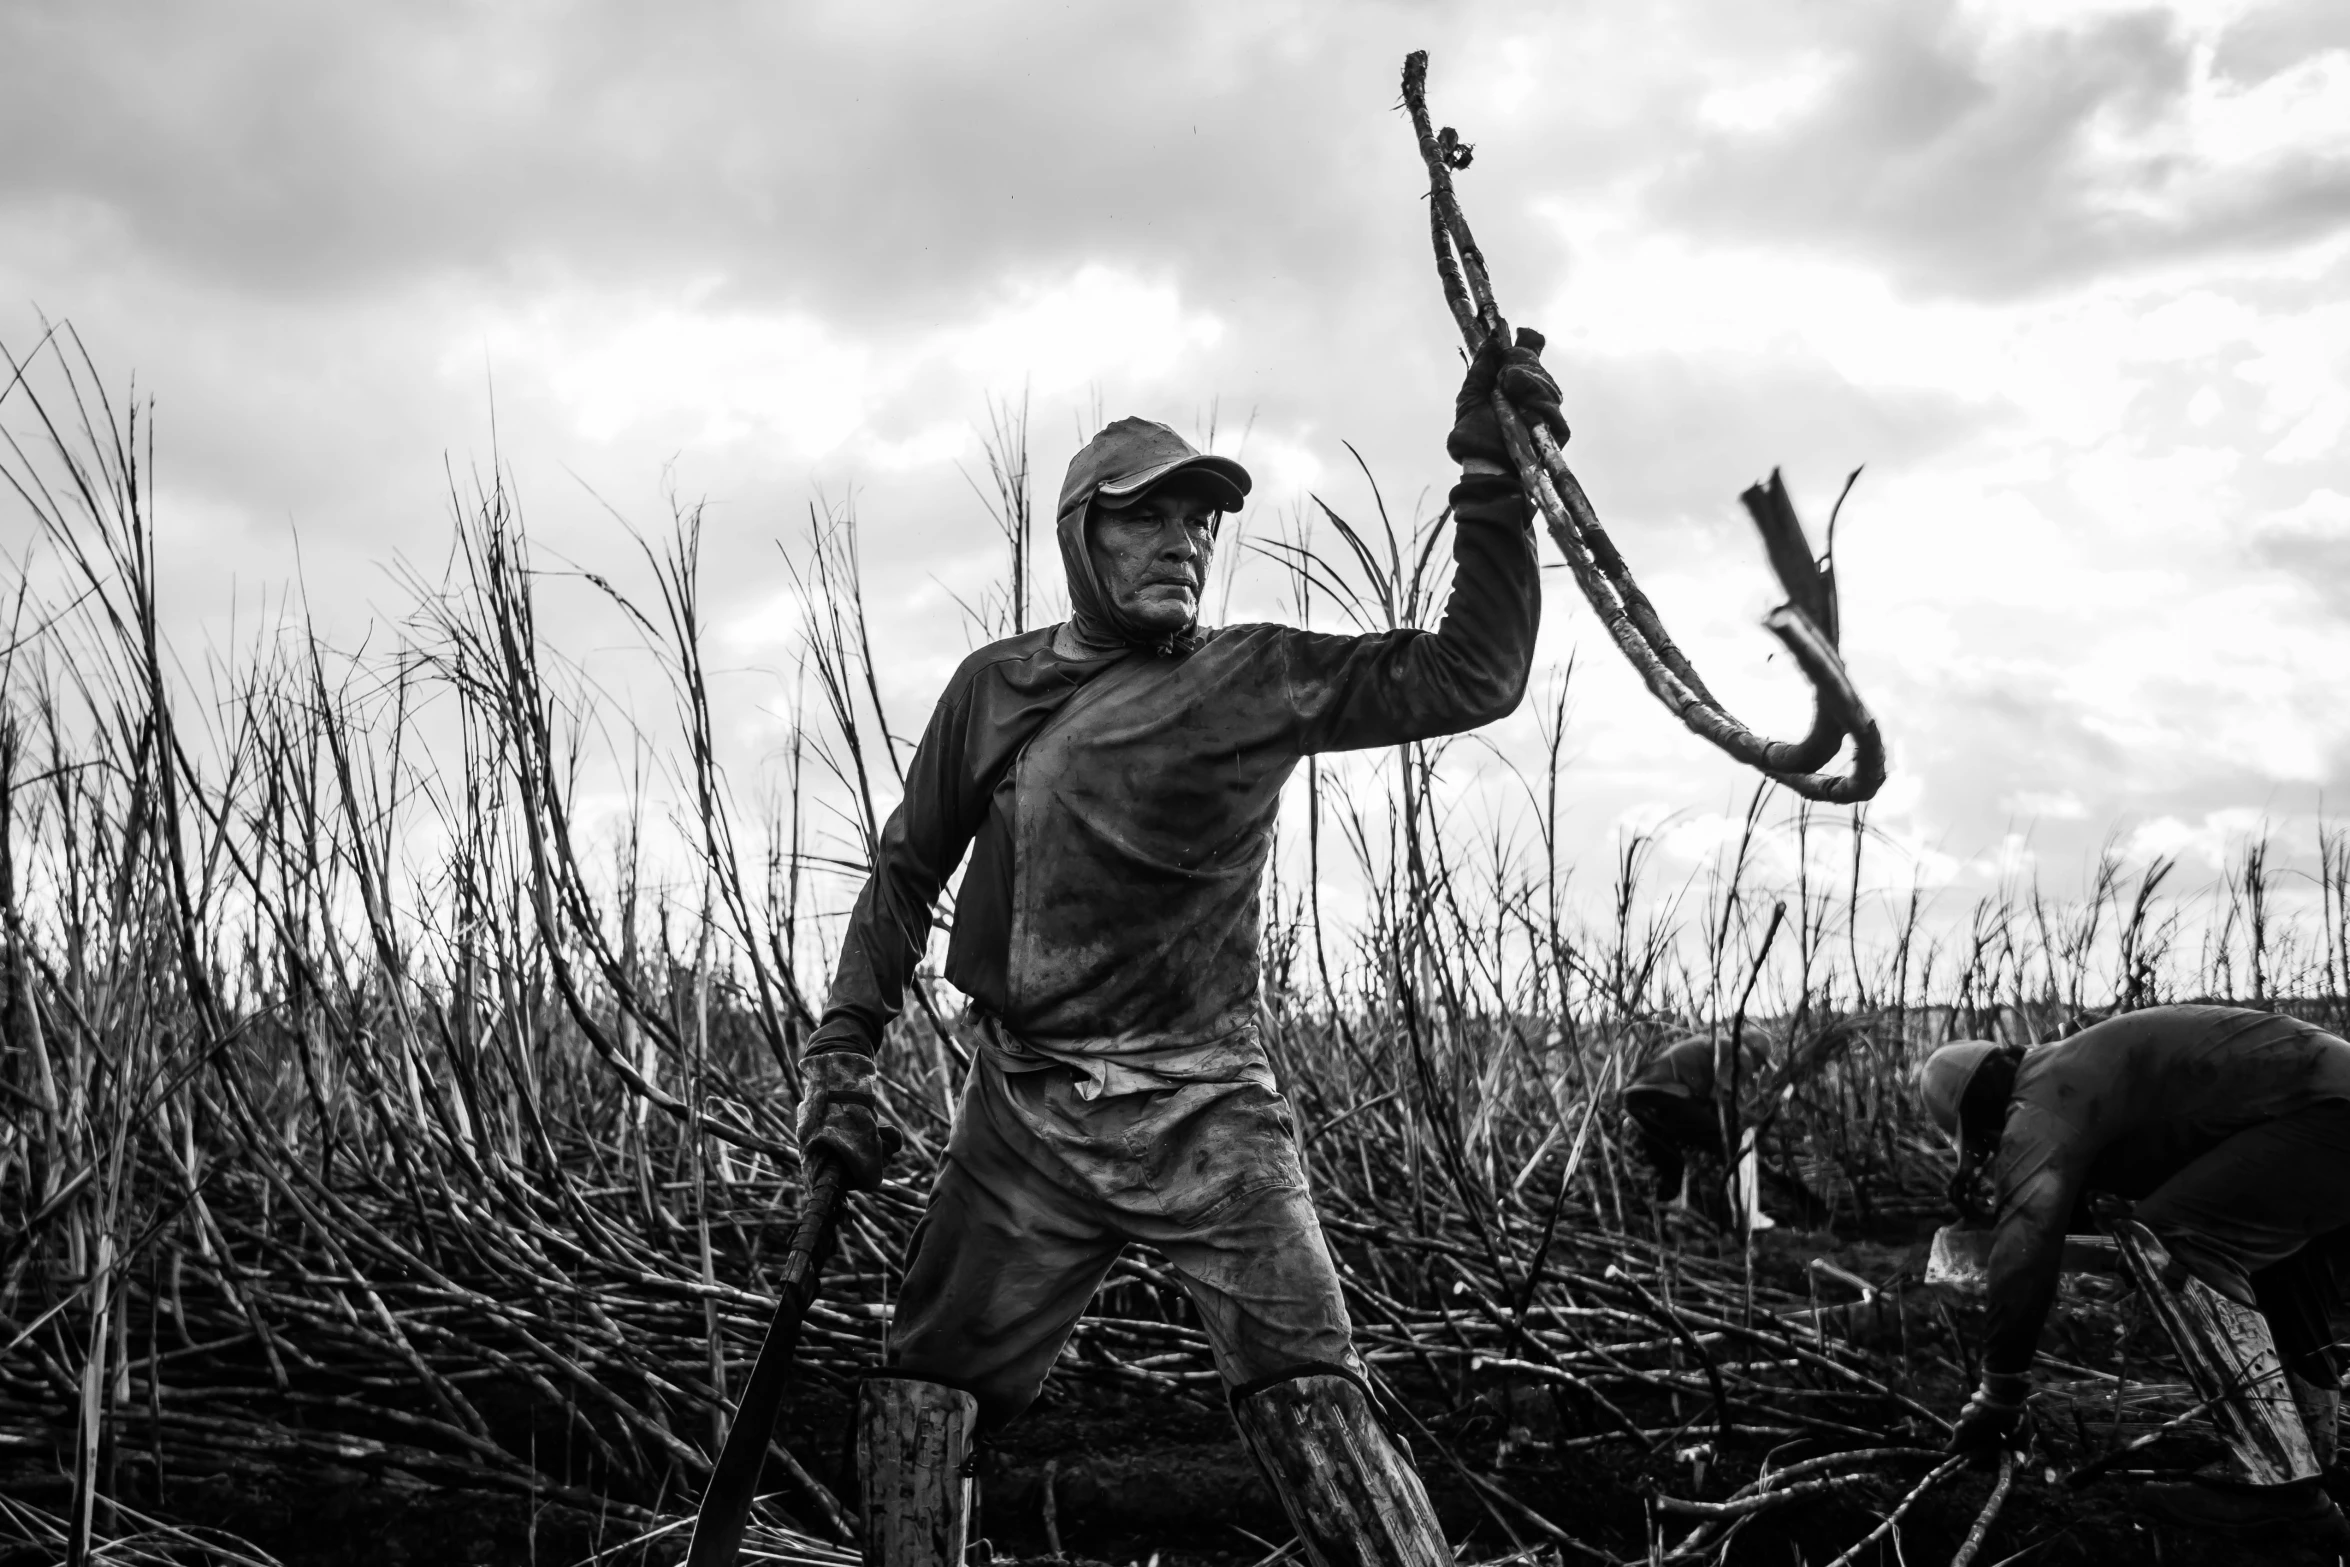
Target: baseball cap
point(1132, 457)
point(1946, 1075)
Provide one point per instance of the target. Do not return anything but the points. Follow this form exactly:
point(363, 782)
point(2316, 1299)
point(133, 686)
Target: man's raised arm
point(1352, 692)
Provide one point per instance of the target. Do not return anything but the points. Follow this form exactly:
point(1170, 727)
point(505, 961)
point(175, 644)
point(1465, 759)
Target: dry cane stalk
point(1990, 1513)
point(1806, 625)
point(1892, 1520)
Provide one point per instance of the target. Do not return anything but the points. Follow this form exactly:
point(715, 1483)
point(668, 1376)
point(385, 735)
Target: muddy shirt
point(1123, 809)
point(2121, 1107)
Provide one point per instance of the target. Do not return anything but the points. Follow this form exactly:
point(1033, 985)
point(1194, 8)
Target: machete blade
point(726, 1501)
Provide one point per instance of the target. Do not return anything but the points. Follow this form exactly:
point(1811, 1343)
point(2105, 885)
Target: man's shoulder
point(1686, 1063)
point(2091, 1050)
point(998, 664)
point(1008, 658)
point(2134, 1046)
point(1023, 648)
point(2162, 1032)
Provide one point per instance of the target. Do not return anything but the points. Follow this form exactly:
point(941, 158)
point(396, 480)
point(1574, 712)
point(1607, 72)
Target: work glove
point(1476, 441)
point(1988, 1423)
point(840, 1120)
point(1654, 1157)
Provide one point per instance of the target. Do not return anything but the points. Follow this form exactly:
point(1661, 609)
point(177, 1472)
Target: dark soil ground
point(1172, 1485)
point(1137, 1479)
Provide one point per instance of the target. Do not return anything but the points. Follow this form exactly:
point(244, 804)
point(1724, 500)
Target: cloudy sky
point(2070, 280)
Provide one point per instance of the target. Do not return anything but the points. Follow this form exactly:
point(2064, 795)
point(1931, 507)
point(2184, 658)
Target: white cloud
point(1760, 103)
point(2011, 861)
point(2208, 842)
point(1097, 325)
point(766, 627)
point(2059, 805)
point(944, 441)
point(2300, 360)
point(2321, 514)
point(708, 377)
point(1283, 468)
point(2301, 110)
point(803, 387)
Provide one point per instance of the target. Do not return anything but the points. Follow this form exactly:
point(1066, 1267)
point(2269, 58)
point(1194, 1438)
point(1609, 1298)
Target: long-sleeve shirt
point(1123, 808)
point(1671, 1101)
point(2121, 1107)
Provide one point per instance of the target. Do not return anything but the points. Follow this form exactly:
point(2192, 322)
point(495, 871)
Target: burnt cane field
point(395, 1149)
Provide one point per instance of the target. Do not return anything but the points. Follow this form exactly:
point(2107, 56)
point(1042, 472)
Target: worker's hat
point(1132, 457)
point(1947, 1074)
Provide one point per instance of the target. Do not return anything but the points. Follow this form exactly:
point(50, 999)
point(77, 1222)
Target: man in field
point(2227, 1132)
point(1116, 779)
point(1673, 1126)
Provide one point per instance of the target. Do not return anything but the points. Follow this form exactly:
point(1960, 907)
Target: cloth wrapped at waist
point(1236, 1057)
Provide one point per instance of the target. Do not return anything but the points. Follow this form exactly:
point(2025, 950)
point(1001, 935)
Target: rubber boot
point(2231, 1358)
point(914, 1451)
point(1352, 1497)
point(2320, 1404)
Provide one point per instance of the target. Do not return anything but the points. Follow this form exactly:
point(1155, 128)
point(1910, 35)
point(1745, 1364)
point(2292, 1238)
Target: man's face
point(1152, 558)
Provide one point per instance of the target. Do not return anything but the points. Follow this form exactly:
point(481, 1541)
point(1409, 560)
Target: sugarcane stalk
point(1806, 625)
point(1989, 1515)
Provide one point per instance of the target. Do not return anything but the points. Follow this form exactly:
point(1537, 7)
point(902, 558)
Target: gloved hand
point(839, 1118)
point(1656, 1157)
point(1988, 1423)
point(1476, 441)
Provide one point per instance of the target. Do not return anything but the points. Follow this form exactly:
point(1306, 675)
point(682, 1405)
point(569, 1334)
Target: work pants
point(2264, 1218)
point(1040, 1190)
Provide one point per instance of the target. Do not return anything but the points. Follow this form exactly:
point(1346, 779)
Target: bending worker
point(2228, 1133)
point(1117, 778)
point(1674, 1125)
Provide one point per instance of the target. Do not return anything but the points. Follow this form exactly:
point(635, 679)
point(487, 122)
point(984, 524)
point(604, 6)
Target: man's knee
point(994, 1282)
point(1001, 1363)
point(2204, 1258)
point(1002, 1393)
point(1267, 1287)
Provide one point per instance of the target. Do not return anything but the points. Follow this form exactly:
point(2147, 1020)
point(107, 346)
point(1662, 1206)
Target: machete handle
point(726, 1500)
point(827, 1184)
